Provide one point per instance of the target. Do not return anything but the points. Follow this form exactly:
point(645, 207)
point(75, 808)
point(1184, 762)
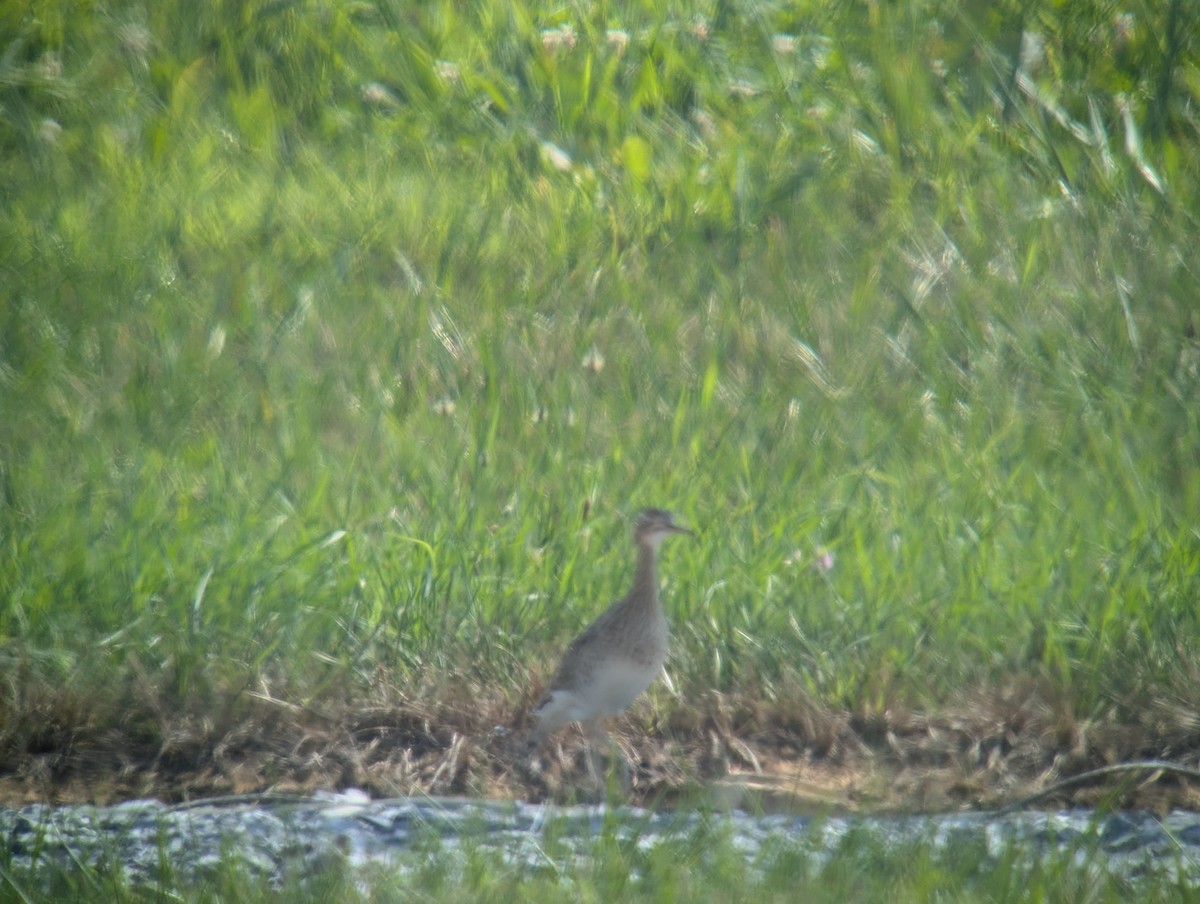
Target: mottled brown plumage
point(619, 654)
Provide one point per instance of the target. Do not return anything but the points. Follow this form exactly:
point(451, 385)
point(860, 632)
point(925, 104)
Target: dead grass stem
point(983, 750)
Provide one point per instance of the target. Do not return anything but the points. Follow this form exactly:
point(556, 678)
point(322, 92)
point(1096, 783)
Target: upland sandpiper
point(618, 655)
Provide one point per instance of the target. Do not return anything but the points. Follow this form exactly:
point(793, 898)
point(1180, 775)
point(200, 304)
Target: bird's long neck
point(645, 579)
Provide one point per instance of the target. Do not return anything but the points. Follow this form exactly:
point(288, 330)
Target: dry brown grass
point(981, 751)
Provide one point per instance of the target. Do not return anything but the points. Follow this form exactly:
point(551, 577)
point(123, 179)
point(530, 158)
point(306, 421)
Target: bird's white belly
point(616, 685)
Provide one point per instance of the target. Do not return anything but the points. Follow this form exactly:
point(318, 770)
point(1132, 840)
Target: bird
point(618, 655)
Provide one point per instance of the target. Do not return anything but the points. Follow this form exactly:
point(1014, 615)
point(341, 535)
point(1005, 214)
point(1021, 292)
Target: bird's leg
point(595, 737)
point(598, 739)
point(627, 783)
point(626, 778)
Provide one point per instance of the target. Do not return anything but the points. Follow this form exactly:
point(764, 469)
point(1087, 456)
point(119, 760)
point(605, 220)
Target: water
point(272, 837)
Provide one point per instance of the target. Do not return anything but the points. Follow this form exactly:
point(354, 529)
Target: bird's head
point(655, 525)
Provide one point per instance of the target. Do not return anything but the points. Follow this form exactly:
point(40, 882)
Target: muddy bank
point(977, 757)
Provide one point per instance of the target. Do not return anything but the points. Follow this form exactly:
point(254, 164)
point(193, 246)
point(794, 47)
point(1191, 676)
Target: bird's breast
point(618, 682)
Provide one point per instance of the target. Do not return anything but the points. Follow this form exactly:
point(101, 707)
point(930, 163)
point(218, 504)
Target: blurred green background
point(343, 339)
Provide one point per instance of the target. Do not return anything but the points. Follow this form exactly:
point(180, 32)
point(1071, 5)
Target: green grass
point(704, 864)
point(301, 335)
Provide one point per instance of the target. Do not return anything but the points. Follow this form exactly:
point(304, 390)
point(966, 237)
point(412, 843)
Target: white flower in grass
point(593, 361)
point(378, 95)
point(50, 131)
point(49, 66)
point(556, 157)
point(783, 44)
point(821, 561)
point(705, 124)
point(561, 38)
point(617, 38)
point(135, 39)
